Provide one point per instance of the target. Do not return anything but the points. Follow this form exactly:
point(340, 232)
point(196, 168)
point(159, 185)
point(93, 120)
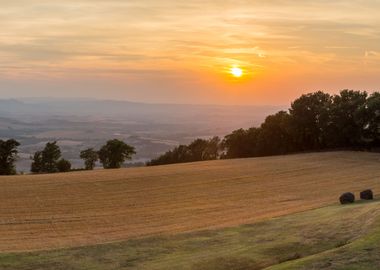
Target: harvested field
point(82, 208)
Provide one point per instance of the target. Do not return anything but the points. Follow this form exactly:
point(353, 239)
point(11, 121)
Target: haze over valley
point(151, 128)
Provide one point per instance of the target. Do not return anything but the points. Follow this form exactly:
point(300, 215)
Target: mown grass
point(363, 253)
point(333, 237)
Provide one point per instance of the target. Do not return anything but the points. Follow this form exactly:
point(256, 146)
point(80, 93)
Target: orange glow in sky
point(188, 51)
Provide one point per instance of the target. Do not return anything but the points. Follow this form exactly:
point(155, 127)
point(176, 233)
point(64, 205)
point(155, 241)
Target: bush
point(63, 165)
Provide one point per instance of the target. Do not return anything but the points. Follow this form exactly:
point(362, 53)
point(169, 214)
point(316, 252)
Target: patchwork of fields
point(39, 212)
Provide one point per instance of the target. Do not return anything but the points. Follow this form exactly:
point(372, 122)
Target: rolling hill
point(41, 212)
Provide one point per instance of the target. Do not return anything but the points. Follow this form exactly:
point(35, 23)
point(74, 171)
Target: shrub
point(63, 165)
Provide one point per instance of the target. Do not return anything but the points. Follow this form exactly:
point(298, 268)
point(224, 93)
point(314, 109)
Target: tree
point(114, 153)
point(213, 148)
point(50, 156)
point(37, 165)
point(179, 154)
point(8, 156)
point(371, 132)
point(241, 143)
point(46, 161)
point(347, 122)
point(310, 115)
point(90, 156)
point(276, 136)
point(315, 121)
point(197, 150)
point(63, 165)
point(201, 149)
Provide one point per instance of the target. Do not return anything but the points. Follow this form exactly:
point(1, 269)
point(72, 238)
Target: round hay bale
point(346, 198)
point(366, 194)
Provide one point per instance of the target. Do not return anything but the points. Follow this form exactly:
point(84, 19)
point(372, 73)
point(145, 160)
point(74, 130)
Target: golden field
point(40, 212)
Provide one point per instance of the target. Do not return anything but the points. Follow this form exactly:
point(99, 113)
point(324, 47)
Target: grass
point(362, 253)
point(332, 237)
point(44, 212)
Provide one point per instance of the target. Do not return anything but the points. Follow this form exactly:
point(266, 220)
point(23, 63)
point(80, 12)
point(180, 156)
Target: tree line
point(316, 121)
point(49, 160)
point(198, 150)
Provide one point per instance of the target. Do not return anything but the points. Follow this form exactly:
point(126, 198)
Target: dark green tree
point(198, 149)
point(276, 135)
point(114, 153)
point(50, 156)
point(213, 149)
point(63, 165)
point(310, 116)
point(241, 143)
point(179, 154)
point(46, 161)
point(90, 156)
point(8, 156)
point(371, 129)
point(37, 165)
point(347, 122)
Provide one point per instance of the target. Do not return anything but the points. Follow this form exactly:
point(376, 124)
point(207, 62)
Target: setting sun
point(236, 72)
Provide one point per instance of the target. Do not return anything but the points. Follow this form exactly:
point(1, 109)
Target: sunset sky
point(182, 51)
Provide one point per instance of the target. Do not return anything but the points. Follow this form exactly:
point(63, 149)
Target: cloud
point(118, 37)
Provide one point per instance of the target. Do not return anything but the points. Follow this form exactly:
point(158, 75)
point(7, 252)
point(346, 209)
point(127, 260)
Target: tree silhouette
point(315, 121)
point(46, 161)
point(90, 156)
point(114, 153)
point(8, 155)
point(63, 165)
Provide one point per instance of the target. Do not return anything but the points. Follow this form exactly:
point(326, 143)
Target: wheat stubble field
point(39, 212)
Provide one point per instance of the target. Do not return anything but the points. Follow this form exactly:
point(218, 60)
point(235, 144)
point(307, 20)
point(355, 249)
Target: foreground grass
point(333, 237)
point(363, 253)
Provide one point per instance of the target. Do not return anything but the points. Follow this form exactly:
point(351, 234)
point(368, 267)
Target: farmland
point(39, 212)
point(333, 237)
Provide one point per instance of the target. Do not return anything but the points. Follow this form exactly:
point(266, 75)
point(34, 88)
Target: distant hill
point(127, 109)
